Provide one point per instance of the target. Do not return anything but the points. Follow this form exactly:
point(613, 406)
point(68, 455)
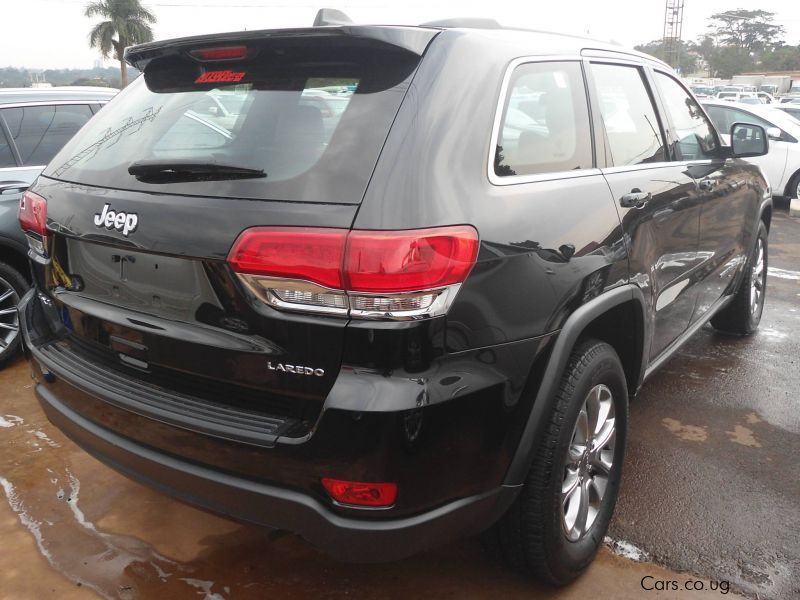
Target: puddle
point(690, 433)
point(783, 274)
point(626, 549)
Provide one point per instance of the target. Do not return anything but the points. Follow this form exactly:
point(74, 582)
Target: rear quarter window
point(545, 123)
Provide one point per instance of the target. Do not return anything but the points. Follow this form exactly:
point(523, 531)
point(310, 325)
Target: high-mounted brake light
point(357, 493)
point(33, 221)
point(219, 53)
point(408, 274)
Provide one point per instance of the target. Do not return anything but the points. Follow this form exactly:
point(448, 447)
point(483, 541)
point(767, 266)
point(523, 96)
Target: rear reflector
point(372, 274)
point(219, 53)
point(357, 493)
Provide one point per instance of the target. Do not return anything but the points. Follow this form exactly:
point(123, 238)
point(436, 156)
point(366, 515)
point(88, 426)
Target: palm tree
point(126, 23)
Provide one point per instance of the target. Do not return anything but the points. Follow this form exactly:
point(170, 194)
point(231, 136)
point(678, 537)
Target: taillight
point(33, 221)
point(357, 493)
point(367, 274)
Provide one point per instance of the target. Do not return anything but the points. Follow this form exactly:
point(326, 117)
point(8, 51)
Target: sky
point(54, 33)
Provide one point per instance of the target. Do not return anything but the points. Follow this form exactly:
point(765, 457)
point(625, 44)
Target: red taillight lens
point(357, 493)
point(33, 213)
point(220, 53)
point(370, 274)
point(403, 261)
point(304, 253)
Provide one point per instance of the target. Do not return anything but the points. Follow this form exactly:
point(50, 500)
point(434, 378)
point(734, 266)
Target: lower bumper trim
point(279, 508)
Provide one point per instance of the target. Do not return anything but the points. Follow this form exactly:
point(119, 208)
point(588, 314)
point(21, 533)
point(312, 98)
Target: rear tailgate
point(285, 134)
point(164, 307)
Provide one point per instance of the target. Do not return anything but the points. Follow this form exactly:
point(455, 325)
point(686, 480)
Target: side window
point(6, 156)
point(41, 131)
point(632, 128)
point(545, 125)
point(695, 137)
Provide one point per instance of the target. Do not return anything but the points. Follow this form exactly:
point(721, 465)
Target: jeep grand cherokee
point(387, 286)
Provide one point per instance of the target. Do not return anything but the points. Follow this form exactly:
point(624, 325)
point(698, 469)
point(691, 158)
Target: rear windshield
point(312, 116)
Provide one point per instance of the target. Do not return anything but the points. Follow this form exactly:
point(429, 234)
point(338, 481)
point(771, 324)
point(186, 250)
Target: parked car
point(782, 164)
point(736, 96)
point(765, 97)
point(702, 91)
point(34, 125)
point(418, 325)
point(793, 111)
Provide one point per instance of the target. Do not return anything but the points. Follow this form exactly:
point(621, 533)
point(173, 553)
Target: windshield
point(297, 114)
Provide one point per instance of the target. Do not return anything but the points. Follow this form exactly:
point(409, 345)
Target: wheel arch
point(15, 254)
point(791, 186)
point(599, 318)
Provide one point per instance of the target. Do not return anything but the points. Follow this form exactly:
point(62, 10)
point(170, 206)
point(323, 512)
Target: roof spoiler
point(464, 23)
point(331, 16)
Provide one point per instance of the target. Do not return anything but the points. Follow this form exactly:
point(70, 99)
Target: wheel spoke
point(583, 509)
point(569, 485)
point(9, 326)
point(606, 436)
point(601, 462)
point(593, 411)
point(5, 295)
point(8, 311)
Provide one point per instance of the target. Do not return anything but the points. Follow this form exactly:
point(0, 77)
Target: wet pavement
point(712, 474)
point(711, 488)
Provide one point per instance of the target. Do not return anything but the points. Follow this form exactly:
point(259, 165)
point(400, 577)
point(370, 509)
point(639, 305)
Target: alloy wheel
point(757, 278)
point(588, 464)
point(9, 318)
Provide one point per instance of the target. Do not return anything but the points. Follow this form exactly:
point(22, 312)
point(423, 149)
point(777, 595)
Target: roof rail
point(331, 16)
point(464, 22)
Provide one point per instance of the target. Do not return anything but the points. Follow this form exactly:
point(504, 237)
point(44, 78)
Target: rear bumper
point(272, 506)
point(130, 443)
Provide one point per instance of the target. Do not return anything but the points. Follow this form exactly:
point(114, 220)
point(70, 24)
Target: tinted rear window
point(312, 114)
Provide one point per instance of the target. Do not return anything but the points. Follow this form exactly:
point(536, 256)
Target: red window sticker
point(221, 77)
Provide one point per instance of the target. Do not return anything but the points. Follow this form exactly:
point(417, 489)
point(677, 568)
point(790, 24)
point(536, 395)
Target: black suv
point(387, 286)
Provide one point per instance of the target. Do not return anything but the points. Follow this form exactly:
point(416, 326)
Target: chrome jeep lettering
point(295, 369)
point(120, 221)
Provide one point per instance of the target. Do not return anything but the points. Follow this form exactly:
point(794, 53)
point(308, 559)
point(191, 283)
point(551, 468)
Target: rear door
point(657, 201)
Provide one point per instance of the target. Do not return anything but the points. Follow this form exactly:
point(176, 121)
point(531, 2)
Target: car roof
point(57, 94)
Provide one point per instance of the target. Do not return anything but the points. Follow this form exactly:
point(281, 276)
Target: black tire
point(740, 317)
point(532, 536)
point(11, 280)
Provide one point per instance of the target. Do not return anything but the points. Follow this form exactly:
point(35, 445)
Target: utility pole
point(673, 26)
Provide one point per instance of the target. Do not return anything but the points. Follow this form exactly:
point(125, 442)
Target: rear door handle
point(635, 199)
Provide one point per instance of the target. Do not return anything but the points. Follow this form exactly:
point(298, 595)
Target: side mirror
point(748, 140)
point(13, 187)
point(774, 133)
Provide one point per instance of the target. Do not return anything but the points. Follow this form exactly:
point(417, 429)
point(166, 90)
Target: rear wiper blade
point(189, 170)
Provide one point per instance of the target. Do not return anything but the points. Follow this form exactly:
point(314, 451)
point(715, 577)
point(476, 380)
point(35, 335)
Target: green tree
point(687, 59)
point(750, 30)
point(126, 22)
point(728, 61)
point(785, 58)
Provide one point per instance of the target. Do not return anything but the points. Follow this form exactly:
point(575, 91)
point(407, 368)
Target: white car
point(730, 96)
point(782, 164)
